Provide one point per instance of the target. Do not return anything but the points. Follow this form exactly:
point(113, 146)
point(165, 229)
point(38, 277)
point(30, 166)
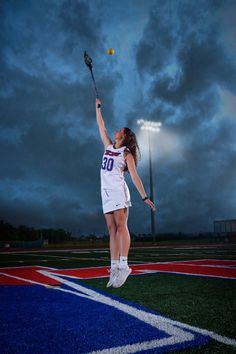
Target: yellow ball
point(110, 51)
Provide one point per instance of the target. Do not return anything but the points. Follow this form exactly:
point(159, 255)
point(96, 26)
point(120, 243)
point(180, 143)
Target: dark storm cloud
point(50, 148)
point(181, 38)
point(201, 65)
point(48, 143)
point(154, 49)
point(84, 28)
point(189, 63)
point(57, 212)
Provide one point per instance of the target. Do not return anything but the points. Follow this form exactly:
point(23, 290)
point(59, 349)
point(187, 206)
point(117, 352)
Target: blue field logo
point(73, 318)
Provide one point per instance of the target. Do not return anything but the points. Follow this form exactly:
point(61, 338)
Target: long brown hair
point(131, 143)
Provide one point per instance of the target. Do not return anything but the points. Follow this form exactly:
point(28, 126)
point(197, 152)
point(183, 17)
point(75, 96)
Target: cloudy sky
point(174, 62)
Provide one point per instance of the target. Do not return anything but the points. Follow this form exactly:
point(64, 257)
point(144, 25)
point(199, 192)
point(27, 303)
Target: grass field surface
point(200, 301)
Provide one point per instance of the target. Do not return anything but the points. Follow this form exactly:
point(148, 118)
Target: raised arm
point(101, 126)
point(137, 180)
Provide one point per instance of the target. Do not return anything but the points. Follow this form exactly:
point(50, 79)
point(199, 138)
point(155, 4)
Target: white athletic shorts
point(114, 199)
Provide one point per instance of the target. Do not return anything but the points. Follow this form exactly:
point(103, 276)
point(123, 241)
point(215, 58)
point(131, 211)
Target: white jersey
point(114, 190)
point(112, 169)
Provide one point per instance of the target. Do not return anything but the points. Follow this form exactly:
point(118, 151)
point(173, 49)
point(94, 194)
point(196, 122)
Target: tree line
point(24, 233)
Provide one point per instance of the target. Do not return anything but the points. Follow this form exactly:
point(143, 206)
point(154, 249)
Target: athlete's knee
point(121, 227)
point(111, 228)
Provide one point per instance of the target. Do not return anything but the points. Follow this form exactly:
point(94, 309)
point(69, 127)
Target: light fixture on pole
point(150, 126)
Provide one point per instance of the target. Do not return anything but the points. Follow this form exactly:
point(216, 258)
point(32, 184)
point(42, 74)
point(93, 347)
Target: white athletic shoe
point(122, 276)
point(113, 275)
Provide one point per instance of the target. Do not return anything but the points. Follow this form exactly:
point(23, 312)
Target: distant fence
point(225, 228)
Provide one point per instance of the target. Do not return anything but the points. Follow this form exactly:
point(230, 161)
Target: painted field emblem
point(84, 320)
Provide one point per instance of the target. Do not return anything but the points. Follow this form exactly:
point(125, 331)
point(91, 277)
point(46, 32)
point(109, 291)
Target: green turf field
point(204, 302)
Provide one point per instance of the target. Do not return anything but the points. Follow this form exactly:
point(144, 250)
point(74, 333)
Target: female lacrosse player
point(118, 157)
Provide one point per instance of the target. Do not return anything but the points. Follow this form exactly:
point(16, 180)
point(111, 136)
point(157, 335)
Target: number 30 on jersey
point(107, 164)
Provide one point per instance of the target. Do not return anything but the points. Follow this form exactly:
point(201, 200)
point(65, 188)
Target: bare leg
point(121, 219)
point(122, 232)
point(113, 239)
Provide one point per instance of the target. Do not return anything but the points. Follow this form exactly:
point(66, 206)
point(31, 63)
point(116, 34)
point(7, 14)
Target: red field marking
point(170, 267)
point(191, 269)
point(208, 262)
point(5, 280)
point(29, 273)
point(207, 268)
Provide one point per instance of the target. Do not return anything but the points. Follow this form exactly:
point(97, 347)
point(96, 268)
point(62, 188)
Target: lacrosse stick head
point(88, 61)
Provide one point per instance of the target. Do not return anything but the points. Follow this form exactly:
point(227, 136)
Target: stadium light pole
point(150, 126)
